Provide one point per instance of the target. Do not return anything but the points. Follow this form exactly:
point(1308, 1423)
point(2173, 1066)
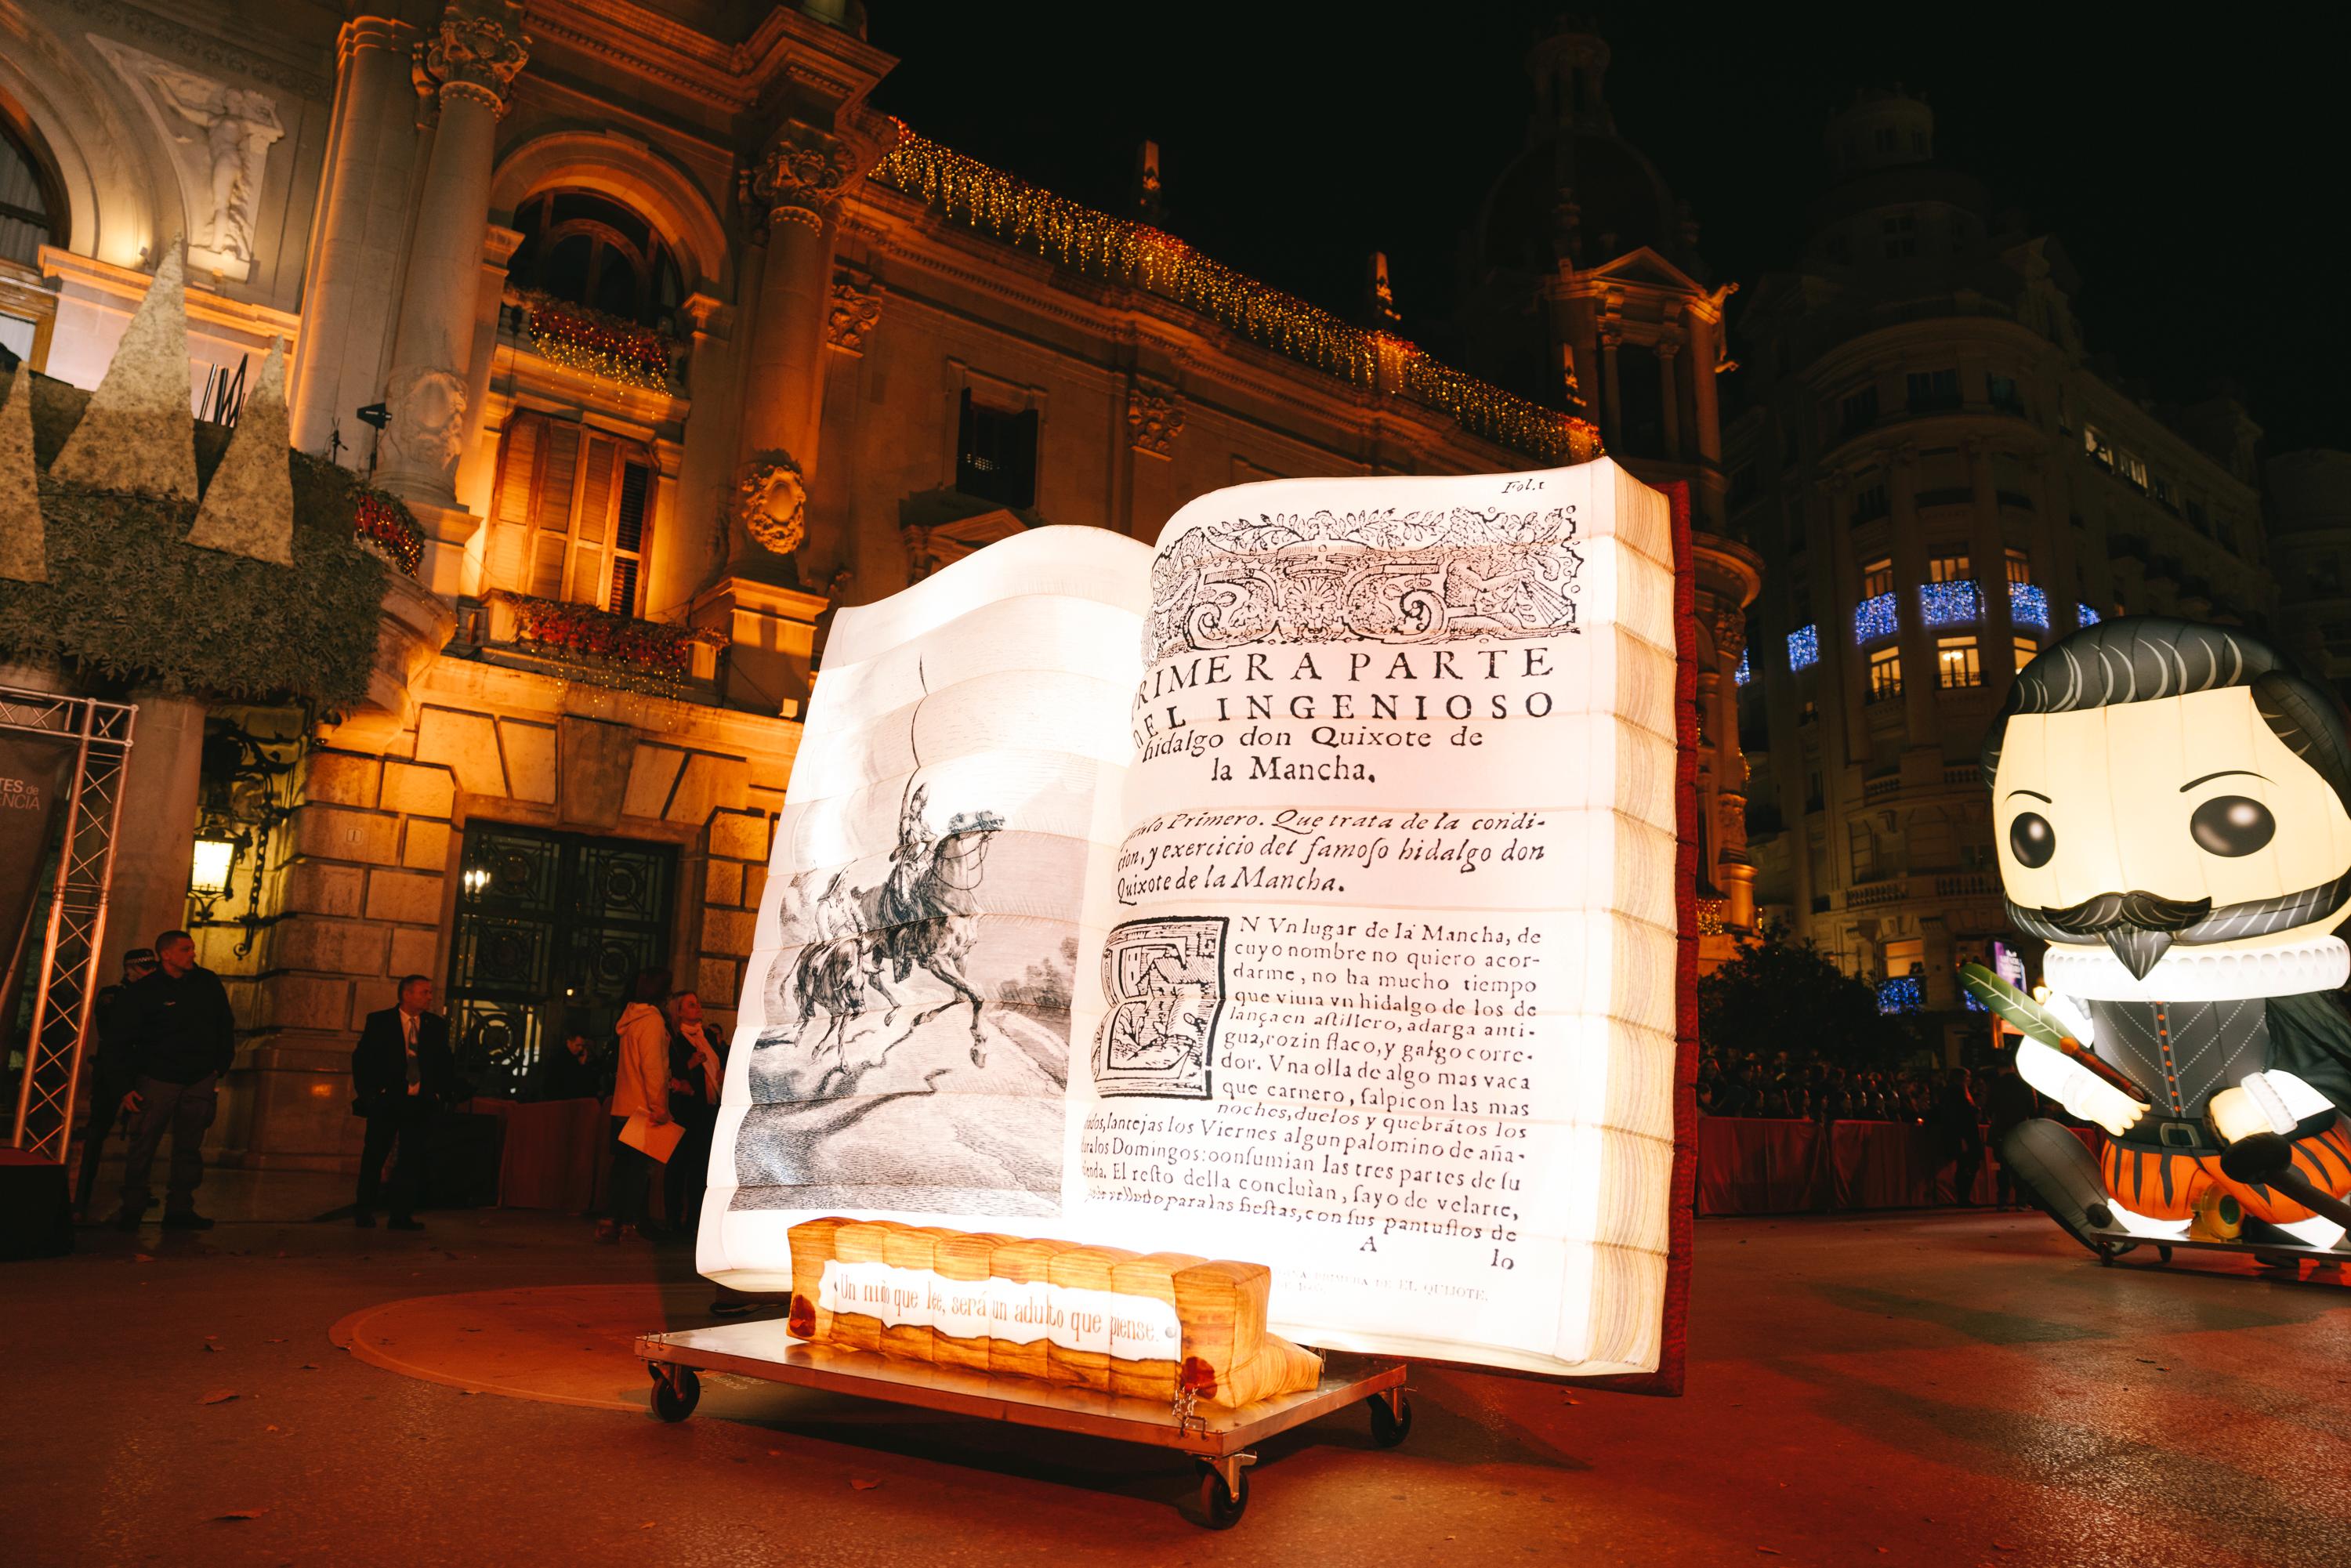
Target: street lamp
point(208, 877)
point(475, 879)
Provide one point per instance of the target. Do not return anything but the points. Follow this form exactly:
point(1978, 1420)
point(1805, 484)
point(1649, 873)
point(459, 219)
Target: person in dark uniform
point(2009, 1105)
point(401, 1072)
point(182, 1038)
point(697, 1073)
point(571, 1071)
point(112, 1073)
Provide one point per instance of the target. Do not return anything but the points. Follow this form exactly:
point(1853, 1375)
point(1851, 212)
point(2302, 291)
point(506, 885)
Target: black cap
point(138, 955)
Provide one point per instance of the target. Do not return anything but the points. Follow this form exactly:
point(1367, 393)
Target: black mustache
point(2137, 910)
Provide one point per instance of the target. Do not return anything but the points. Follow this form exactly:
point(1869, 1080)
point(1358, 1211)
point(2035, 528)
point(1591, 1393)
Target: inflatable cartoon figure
point(2169, 809)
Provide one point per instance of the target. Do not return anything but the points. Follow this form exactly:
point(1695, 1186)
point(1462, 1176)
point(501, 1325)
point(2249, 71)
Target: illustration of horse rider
point(902, 901)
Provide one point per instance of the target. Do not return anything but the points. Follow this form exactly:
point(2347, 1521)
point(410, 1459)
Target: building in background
point(669, 344)
point(1941, 481)
point(2310, 536)
point(1583, 287)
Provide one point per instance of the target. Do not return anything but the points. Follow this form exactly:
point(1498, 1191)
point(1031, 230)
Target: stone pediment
point(1645, 268)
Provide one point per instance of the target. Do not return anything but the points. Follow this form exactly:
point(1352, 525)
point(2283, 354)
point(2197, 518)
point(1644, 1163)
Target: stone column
point(467, 66)
point(1669, 397)
point(1612, 426)
point(1703, 353)
point(154, 849)
point(789, 193)
point(346, 294)
point(477, 468)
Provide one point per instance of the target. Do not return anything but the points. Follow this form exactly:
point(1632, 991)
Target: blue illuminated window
point(1958, 603)
point(1902, 994)
point(1969, 997)
point(1744, 675)
point(2028, 604)
point(1874, 618)
point(1803, 648)
point(2085, 616)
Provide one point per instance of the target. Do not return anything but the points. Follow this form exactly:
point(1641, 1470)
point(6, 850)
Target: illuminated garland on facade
point(1874, 618)
point(2028, 604)
point(384, 523)
point(595, 344)
point(1067, 233)
point(1958, 603)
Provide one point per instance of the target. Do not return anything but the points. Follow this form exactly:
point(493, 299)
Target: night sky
point(2191, 172)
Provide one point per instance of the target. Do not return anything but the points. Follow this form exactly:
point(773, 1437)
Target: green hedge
point(130, 601)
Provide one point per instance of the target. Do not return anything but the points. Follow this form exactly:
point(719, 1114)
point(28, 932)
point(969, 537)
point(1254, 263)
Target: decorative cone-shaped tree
point(139, 432)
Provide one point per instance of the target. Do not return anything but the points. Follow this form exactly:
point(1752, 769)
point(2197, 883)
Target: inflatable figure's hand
point(2094, 1100)
point(2273, 1103)
point(2235, 1115)
point(2072, 1014)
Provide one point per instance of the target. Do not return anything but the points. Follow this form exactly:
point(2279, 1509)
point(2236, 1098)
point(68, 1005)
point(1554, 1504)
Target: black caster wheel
point(675, 1396)
point(2163, 1254)
point(1221, 1505)
point(1390, 1427)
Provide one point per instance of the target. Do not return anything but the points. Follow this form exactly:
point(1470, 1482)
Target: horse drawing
point(923, 916)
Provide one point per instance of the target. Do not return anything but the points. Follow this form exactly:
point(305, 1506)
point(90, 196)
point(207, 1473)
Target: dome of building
point(1578, 192)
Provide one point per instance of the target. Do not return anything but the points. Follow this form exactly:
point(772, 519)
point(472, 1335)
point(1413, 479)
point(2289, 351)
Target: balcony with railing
point(2028, 605)
point(1958, 603)
point(593, 343)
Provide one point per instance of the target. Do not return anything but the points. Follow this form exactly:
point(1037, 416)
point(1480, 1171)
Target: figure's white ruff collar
point(2186, 974)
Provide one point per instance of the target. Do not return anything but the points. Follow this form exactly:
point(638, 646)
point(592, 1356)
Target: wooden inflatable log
point(1022, 1263)
point(812, 1248)
point(904, 1247)
point(1082, 1366)
point(963, 1261)
point(859, 1241)
point(1155, 1277)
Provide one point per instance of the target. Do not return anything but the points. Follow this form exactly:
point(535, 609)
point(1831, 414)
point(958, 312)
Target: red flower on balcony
point(658, 648)
point(385, 524)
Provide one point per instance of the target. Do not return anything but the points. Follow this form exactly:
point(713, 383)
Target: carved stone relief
point(856, 308)
point(1154, 417)
point(771, 502)
point(219, 138)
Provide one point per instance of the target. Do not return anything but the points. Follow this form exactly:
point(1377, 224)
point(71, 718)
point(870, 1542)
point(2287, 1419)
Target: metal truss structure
point(67, 981)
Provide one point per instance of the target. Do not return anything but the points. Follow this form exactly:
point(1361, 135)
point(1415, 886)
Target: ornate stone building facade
point(1583, 238)
point(1941, 482)
point(670, 343)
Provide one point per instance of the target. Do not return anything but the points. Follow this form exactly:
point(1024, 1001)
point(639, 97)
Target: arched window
point(590, 250)
point(31, 213)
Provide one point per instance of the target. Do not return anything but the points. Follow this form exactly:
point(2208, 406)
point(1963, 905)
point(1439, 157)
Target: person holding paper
point(640, 1092)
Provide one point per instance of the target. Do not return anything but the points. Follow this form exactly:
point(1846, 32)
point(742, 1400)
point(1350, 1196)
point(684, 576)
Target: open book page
point(1390, 973)
point(1301, 894)
point(903, 1042)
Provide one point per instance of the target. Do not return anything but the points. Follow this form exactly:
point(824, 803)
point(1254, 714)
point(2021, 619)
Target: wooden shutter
point(629, 538)
point(552, 511)
point(510, 546)
point(592, 526)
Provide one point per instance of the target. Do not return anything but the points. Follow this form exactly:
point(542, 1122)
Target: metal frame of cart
point(1221, 1439)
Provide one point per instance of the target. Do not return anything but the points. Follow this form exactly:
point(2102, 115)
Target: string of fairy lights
point(594, 344)
point(1121, 251)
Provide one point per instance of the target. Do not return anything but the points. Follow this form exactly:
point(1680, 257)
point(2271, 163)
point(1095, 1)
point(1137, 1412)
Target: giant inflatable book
point(1310, 889)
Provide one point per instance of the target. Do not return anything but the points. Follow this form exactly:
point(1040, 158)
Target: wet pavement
point(1932, 1388)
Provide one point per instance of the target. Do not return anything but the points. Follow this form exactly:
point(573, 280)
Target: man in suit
point(401, 1072)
